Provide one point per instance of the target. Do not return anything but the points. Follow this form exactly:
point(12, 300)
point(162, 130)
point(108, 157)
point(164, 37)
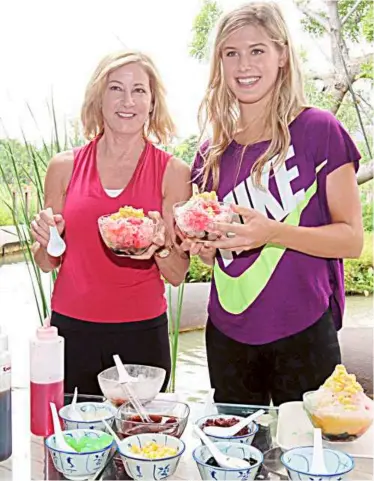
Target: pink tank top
point(93, 284)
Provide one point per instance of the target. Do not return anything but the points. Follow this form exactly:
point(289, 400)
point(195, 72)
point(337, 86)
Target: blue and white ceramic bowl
point(78, 466)
point(143, 468)
point(298, 461)
point(89, 411)
point(246, 439)
point(201, 454)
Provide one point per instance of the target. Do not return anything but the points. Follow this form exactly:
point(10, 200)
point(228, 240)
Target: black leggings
point(282, 370)
point(90, 346)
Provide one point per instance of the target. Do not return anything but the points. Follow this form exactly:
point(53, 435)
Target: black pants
point(90, 346)
point(282, 370)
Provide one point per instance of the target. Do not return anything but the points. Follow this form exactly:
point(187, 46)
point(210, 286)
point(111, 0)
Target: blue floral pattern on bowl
point(144, 468)
point(298, 461)
point(201, 454)
point(78, 466)
point(85, 407)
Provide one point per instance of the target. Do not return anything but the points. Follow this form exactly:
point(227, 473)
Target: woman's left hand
point(158, 239)
point(255, 232)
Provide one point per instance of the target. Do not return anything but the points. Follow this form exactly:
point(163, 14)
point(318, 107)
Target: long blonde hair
point(160, 124)
point(220, 108)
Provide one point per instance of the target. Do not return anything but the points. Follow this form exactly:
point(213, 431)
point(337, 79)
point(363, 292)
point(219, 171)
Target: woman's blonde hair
point(160, 124)
point(220, 108)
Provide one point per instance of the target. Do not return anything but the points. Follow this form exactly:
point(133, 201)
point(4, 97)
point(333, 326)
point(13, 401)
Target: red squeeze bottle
point(46, 378)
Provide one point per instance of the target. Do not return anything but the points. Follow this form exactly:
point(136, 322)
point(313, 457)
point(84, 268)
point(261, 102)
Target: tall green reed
point(174, 327)
point(20, 212)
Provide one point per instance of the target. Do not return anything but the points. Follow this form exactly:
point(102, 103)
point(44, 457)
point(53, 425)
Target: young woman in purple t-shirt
point(277, 294)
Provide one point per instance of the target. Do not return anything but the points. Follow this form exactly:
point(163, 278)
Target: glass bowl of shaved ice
point(128, 232)
point(339, 407)
point(146, 384)
point(195, 216)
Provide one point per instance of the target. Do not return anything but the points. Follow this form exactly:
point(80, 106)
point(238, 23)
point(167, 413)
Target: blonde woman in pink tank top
point(104, 304)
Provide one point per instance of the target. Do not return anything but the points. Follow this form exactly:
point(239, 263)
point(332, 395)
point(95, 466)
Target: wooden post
point(27, 202)
point(14, 200)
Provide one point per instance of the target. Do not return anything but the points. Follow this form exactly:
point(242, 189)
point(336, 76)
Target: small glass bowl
point(124, 239)
point(170, 417)
point(195, 223)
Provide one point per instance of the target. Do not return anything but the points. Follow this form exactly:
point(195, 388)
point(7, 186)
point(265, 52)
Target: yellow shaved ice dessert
point(340, 407)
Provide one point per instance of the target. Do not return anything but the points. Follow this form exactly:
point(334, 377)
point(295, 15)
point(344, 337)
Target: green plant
point(174, 325)
point(187, 149)
point(367, 216)
point(198, 272)
point(359, 273)
point(202, 26)
point(30, 171)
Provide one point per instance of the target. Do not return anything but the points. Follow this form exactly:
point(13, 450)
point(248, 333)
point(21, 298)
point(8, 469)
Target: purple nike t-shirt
point(270, 293)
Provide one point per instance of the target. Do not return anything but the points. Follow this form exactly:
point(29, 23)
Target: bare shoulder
point(177, 179)
point(62, 160)
point(61, 164)
point(178, 168)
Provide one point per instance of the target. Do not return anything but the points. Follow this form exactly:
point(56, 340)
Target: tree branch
point(351, 12)
point(368, 104)
point(365, 172)
point(314, 16)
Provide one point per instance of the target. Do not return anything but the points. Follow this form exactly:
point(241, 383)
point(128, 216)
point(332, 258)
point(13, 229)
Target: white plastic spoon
point(123, 375)
point(223, 460)
point(56, 245)
point(230, 432)
point(318, 462)
point(74, 412)
point(60, 441)
point(124, 379)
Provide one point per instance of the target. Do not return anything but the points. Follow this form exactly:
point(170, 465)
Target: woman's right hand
point(41, 223)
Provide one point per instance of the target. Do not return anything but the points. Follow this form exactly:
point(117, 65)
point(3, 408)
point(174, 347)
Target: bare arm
point(176, 188)
point(56, 181)
point(343, 238)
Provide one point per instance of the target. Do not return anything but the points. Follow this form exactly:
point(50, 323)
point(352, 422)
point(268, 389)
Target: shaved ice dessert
point(340, 407)
point(128, 232)
point(196, 216)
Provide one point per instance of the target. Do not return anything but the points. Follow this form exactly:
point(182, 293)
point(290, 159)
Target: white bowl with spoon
point(232, 433)
point(223, 461)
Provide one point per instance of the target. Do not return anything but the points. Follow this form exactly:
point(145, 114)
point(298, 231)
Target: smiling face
point(251, 62)
point(127, 99)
